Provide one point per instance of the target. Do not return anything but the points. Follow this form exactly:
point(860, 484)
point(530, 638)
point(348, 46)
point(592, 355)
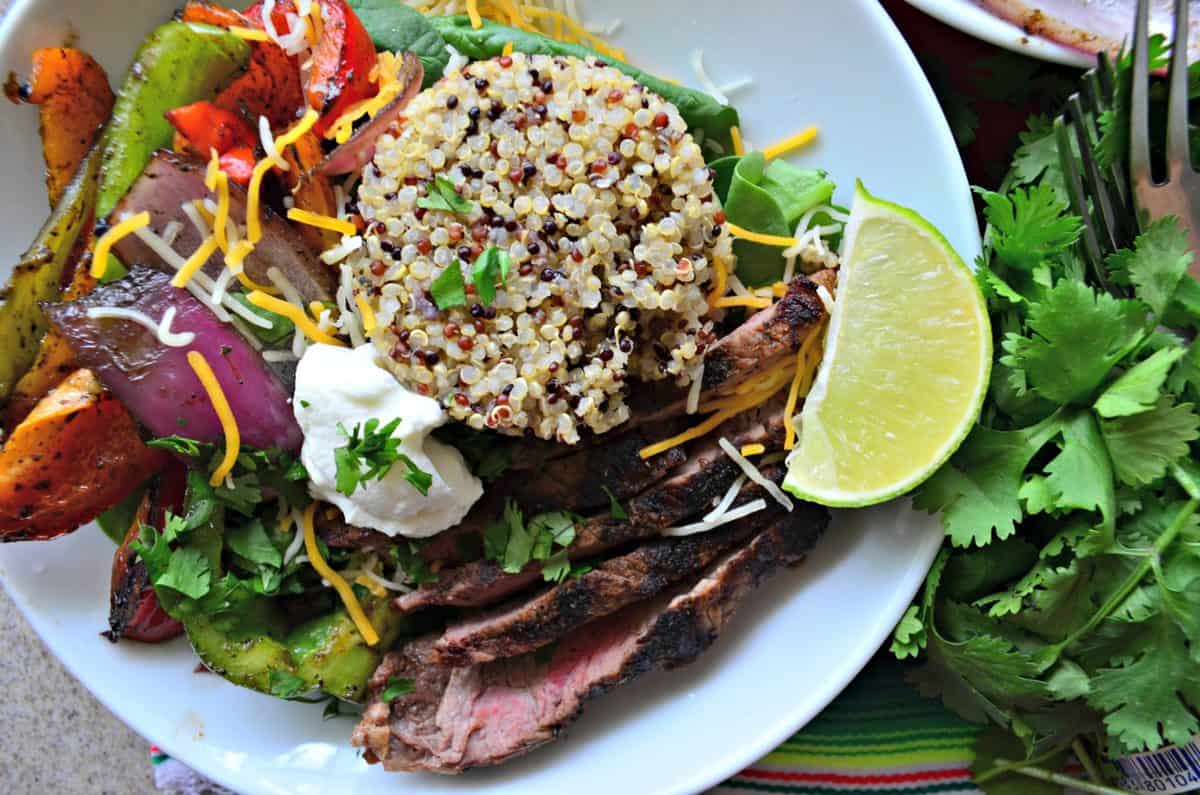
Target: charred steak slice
point(577, 481)
point(521, 627)
point(459, 718)
point(688, 491)
point(767, 338)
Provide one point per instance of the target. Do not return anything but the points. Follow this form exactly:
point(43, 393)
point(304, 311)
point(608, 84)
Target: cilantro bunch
point(1065, 605)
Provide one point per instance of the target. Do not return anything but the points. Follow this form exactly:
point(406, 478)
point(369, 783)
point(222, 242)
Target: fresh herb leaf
point(396, 686)
point(514, 543)
point(443, 196)
point(1144, 445)
point(1139, 388)
point(285, 684)
point(909, 638)
point(1029, 225)
point(449, 289)
point(978, 492)
point(1076, 336)
point(188, 573)
point(370, 453)
point(490, 269)
point(250, 540)
point(412, 565)
point(188, 448)
point(1155, 265)
point(615, 509)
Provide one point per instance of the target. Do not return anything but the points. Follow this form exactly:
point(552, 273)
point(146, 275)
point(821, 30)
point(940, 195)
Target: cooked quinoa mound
point(606, 208)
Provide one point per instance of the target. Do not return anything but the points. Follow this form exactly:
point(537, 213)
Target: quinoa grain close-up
point(607, 211)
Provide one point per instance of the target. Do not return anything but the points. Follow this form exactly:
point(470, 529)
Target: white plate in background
point(795, 644)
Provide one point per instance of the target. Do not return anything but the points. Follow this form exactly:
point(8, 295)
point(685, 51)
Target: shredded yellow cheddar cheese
point(294, 314)
point(233, 437)
point(753, 449)
point(800, 139)
point(759, 237)
point(248, 34)
point(353, 608)
point(195, 262)
point(112, 237)
point(735, 134)
point(309, 218)
point(367, 314)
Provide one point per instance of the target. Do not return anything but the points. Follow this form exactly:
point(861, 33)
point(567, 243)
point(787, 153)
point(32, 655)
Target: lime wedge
point(906, 363)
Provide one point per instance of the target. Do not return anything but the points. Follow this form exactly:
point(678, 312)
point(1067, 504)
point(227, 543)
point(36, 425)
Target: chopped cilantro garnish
point(512, 542)
point(490, 269)
point(443, 196)
point(370, 453)
point(615, 509)
point(449, 289)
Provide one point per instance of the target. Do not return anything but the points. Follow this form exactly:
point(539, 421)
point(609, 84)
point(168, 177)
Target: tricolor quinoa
point(605, 205)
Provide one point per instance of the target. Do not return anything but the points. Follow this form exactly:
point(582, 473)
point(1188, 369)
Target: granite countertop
point(49, 718)
point(56, 737)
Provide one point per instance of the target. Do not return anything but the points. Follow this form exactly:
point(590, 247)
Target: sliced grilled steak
point(577, 481)
point(528, 624)
point(766, 338)
point(690, 489)
point(459, 718)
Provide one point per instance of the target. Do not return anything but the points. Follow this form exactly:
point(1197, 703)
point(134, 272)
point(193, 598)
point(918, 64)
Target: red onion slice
point(358, 151)
point(155, 381)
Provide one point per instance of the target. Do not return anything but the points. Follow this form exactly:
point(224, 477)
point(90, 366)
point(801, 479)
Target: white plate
point(1075, 30)
point(797, 642)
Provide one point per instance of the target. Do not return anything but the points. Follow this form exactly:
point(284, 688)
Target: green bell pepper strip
point(38, 275)
point(701, 112)
point(178, 64)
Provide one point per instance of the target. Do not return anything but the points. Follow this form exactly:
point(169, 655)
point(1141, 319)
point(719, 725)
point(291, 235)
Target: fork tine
point(1102, 216)
point(1095, 99)
point(1079, 203)
point(1178, 151)
point(1139, 110)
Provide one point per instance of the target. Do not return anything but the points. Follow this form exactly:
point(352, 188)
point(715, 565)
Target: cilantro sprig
point(514, 542)
point(443, 196)
point(1063, 606)
point(370, 453)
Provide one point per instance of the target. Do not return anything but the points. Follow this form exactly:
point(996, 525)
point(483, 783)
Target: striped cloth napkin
point(879, 736)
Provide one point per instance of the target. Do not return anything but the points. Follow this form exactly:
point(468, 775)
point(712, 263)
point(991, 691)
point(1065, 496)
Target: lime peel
point(906, 364)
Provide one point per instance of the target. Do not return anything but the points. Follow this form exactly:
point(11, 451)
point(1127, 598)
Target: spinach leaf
point(701, 112)
point(768, 199)
point(395, 27)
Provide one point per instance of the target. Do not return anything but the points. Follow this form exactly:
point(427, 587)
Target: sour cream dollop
point(341, 385)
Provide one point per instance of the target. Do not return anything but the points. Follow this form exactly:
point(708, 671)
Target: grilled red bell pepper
point(238, 163)
point(342, 59)
point(208, 127)
point(134, 609)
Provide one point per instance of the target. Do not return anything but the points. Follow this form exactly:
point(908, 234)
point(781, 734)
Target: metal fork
point(1180, 194)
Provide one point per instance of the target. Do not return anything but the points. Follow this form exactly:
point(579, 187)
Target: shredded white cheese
point(729, 516)
point(826, 298)
point(693, 398)
point(724, 502)
point(292, 296)
point(193, 214)
point(289, 554)
point(737, 85)
point(706, 82)
point(348, 321)
point(457, 62)
point(161, 329)
point(160, 247)
point(348, 245)
point(171, 232)
point(221, 286)
point(268, 144)
point(753, 473)
point(279, 356)
point(391, 585)
point(241, 326)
